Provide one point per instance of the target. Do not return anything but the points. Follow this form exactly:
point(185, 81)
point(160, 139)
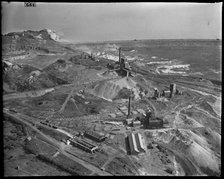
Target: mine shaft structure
point(119, 66)
point(123, 71)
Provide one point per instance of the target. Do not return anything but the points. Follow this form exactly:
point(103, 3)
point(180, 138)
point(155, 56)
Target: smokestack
point(129, 107)
point(119, 56)
point(172, 89)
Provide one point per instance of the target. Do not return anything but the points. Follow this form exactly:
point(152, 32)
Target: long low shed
point(132, 144)
point(140, 143)
point(136, 143)
point(84, 145)
point(94, 136)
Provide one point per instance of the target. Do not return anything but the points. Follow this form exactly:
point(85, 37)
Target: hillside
point(34, 60)
point(77, 87)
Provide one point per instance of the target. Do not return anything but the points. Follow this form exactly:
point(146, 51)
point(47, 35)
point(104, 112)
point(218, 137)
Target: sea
point(185, 57)
point(195, 57)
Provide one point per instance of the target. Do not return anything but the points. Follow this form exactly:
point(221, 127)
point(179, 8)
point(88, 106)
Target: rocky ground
point(71, 86)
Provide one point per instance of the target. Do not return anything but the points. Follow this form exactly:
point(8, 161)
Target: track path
point(60, 146)
point(67, 99)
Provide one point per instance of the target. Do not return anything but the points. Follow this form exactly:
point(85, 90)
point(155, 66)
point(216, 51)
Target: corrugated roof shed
point(139, 141)
point(132, 144)
point(94, 135)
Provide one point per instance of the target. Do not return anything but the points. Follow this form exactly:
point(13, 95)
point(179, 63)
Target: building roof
point(93, 134)
point(132, 143)
point(136, 122)
point(166, 91)
point(139, 140)
point(83, 143)
point(154, 121)
point(65, 132)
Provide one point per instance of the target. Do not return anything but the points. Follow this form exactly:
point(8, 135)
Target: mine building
point(120, 67)
point(172, 89)
point(157, 94)
point(94, 136)
point(149, 114)
point(136, 123)
point(140, 142)
point(166, 93)
point(151, 121)
point(132, 144)
point(65, 132)
point(136, 143)
point(66, 141)
point(154, 123)
point(129, 121)
point(178, 92)
point(123, 71)
point(170, 93)
point(84, 145)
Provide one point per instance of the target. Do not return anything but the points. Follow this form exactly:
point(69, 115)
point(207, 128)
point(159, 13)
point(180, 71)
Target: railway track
point(59, 146)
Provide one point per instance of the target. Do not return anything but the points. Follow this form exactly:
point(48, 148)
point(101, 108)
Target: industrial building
point(172, 89)
point(156, 93)
point(151, 121)
point(119, 66)
point(166, 93)
point(154, 123)
point(132, 144)
point(178, 92)
point(129, 121)
point(140, 142)
point(136, 143)
point(136, 123)
point(83, 144)
point(94, 136)
point(123, 71)
point(65, 132)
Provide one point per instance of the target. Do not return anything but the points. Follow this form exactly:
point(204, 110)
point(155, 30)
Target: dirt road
point(33, 93)
point(67, 99)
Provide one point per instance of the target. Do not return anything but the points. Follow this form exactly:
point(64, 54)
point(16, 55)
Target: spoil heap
point(109, 89)
point(190, 147)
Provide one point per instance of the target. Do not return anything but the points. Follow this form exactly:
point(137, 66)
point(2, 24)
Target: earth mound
point(44, 41)
point(109, 89)
point(191, 147)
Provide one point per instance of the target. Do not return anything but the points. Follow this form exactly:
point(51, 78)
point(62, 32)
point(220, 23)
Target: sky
point(81, 22)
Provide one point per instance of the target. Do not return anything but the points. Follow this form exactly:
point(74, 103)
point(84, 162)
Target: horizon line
point(102, 41)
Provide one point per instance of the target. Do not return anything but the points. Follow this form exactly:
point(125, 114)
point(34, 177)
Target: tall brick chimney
point(129, 107)
point(119, 55)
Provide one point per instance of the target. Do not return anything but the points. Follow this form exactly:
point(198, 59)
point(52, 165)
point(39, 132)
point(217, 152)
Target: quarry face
point(112, 108)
